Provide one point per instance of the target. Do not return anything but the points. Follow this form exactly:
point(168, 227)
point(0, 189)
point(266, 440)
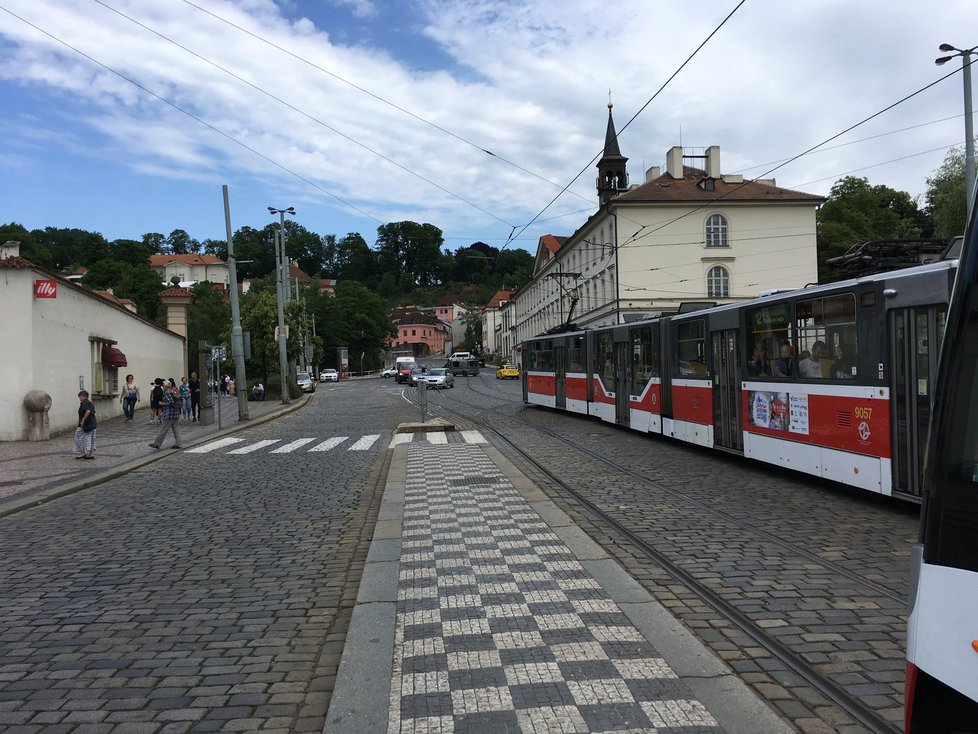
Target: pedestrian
point(184, 399)
point(171, 404)
point(224, 384)
point(129, 397)
point(85, 433)
point(194, 397)
point(155, 400)
point(230, 387)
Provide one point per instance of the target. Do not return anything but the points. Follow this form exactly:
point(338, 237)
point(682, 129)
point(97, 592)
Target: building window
point(718, 282)
point(716, 231)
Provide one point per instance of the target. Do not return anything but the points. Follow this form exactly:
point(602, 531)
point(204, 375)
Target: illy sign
point(45, 289)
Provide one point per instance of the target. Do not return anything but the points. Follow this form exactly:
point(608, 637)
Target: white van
point(460, 355)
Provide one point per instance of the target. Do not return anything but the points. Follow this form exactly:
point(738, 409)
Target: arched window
point(716, 231)
point(718, 282)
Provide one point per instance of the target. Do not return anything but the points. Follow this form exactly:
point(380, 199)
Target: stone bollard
point(38, 403)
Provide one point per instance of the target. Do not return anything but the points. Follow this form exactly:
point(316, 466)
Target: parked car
point(508, 372)
point(306, 382)
point(415, 376)
point(329, 376)
point(438, 378)
point(389, 372)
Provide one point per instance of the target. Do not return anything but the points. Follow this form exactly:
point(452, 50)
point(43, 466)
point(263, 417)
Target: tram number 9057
point(863, 413)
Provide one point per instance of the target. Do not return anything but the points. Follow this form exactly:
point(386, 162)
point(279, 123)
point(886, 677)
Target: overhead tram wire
point(380, 99)
point(303, 113)
point(633, 117)
point(203, 122)
point(706, 204)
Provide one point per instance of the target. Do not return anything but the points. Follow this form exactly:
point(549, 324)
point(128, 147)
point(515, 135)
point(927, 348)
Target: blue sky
point(127, 116)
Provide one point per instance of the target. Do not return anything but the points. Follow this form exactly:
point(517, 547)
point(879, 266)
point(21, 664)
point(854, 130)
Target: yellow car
point(508, 371)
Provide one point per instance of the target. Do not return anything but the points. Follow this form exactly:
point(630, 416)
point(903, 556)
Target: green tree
point(155, 242)
point(512, 268)
point(471, 265)
point(181, 243)
point(946, 201)
point(355, 318)
point(131, 252)
point(857, 212)
point(209, 318)
point(356, 261)
point(29, 248)
point(412, 251)
point(70, 247)
point(473, 330)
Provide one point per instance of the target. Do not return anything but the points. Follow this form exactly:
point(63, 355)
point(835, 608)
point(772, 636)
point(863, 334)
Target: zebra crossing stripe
point(438, 437)
point(214, 445)
point(364, 443)
point(291, 446)
point(473, 437)
point(329, 443)
point(255, 446)
point(400, 438)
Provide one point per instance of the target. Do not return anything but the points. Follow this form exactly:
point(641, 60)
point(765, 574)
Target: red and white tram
point(831, 380)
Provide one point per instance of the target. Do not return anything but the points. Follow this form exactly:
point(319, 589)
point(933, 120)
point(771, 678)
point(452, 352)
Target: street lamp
point(969, 135)
point(282, 284)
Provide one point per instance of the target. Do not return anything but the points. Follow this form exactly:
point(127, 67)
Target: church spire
point(612, 174)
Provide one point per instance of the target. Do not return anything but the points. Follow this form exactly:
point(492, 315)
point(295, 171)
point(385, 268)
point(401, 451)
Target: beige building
point(60, 337)
point(492, 324)
point(191, 269)
point(688, 233)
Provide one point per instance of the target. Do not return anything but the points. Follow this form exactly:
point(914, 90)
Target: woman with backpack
point(155, 400)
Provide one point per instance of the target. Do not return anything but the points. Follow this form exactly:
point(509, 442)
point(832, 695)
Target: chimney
point(713, 162)
point(653, 173)
point(674, 161)
point(10, 248)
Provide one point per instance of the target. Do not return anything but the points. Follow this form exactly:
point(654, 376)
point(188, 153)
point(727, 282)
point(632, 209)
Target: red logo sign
point(45, 289)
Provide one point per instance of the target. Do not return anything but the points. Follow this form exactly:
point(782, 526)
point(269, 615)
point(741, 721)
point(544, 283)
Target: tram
point(942, 629)
point(831, 380)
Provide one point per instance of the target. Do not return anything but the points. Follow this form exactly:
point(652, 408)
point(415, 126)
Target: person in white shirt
point(811, 365)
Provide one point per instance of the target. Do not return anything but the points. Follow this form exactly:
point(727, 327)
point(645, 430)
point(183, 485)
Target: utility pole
point(283, 291)
point(237, 342)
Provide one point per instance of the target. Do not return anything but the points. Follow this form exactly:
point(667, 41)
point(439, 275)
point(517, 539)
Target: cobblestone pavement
point(197, 592)
point(757, 536)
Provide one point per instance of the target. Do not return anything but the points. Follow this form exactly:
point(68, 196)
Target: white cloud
point(529, 83)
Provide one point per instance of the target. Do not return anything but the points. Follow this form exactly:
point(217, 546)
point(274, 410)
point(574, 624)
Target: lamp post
point(237, 341)
point(969, 135)
point(282, 283)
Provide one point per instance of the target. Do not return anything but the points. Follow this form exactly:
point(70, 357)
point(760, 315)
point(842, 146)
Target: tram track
point(784, 652)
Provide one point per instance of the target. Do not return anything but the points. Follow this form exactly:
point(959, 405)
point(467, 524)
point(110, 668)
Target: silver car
point(305, 381)
point(439, 378)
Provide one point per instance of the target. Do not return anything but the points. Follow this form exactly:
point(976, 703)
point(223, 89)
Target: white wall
point(47, 347)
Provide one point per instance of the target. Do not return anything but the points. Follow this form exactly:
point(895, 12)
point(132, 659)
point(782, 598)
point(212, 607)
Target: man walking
point(170, 405)
point(194, 397)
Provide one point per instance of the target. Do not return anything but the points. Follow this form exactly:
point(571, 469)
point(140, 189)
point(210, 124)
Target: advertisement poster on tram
point(779, 411)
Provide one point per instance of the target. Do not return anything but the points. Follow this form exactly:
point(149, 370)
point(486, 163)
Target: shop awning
point(112, 357)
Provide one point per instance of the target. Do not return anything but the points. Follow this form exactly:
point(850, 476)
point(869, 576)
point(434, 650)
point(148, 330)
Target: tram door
point(915, 336)
point(623, 380)
point(727, 429)
point(560, 371)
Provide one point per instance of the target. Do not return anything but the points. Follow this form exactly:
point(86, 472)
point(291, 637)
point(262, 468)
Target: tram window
point(826, 333)
point(575, 354)
point(691, 348)
point(769, 343)
point(645, 360)
point(604, 363)
point(541, 356)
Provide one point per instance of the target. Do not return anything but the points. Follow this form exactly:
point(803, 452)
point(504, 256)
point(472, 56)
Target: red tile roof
point(665, 188)
point(497, 299)
point(553, 242)
point(158, 261)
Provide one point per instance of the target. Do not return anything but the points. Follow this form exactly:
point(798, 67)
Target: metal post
point(237, 342)
point(282, 345)
point(969, 133)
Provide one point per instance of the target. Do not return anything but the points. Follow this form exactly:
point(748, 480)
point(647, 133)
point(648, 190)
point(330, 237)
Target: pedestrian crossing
point(232, 446)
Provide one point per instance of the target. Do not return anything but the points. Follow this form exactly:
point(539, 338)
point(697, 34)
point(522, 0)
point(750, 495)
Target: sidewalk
point(484, 609)
point(36, 471)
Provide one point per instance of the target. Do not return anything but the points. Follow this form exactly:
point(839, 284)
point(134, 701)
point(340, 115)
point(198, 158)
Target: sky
point(484, 118)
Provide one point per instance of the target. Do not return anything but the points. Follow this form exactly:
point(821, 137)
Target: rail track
point(726, 533)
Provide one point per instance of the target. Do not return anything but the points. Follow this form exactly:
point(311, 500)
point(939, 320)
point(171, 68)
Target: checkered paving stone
point(499, 628)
